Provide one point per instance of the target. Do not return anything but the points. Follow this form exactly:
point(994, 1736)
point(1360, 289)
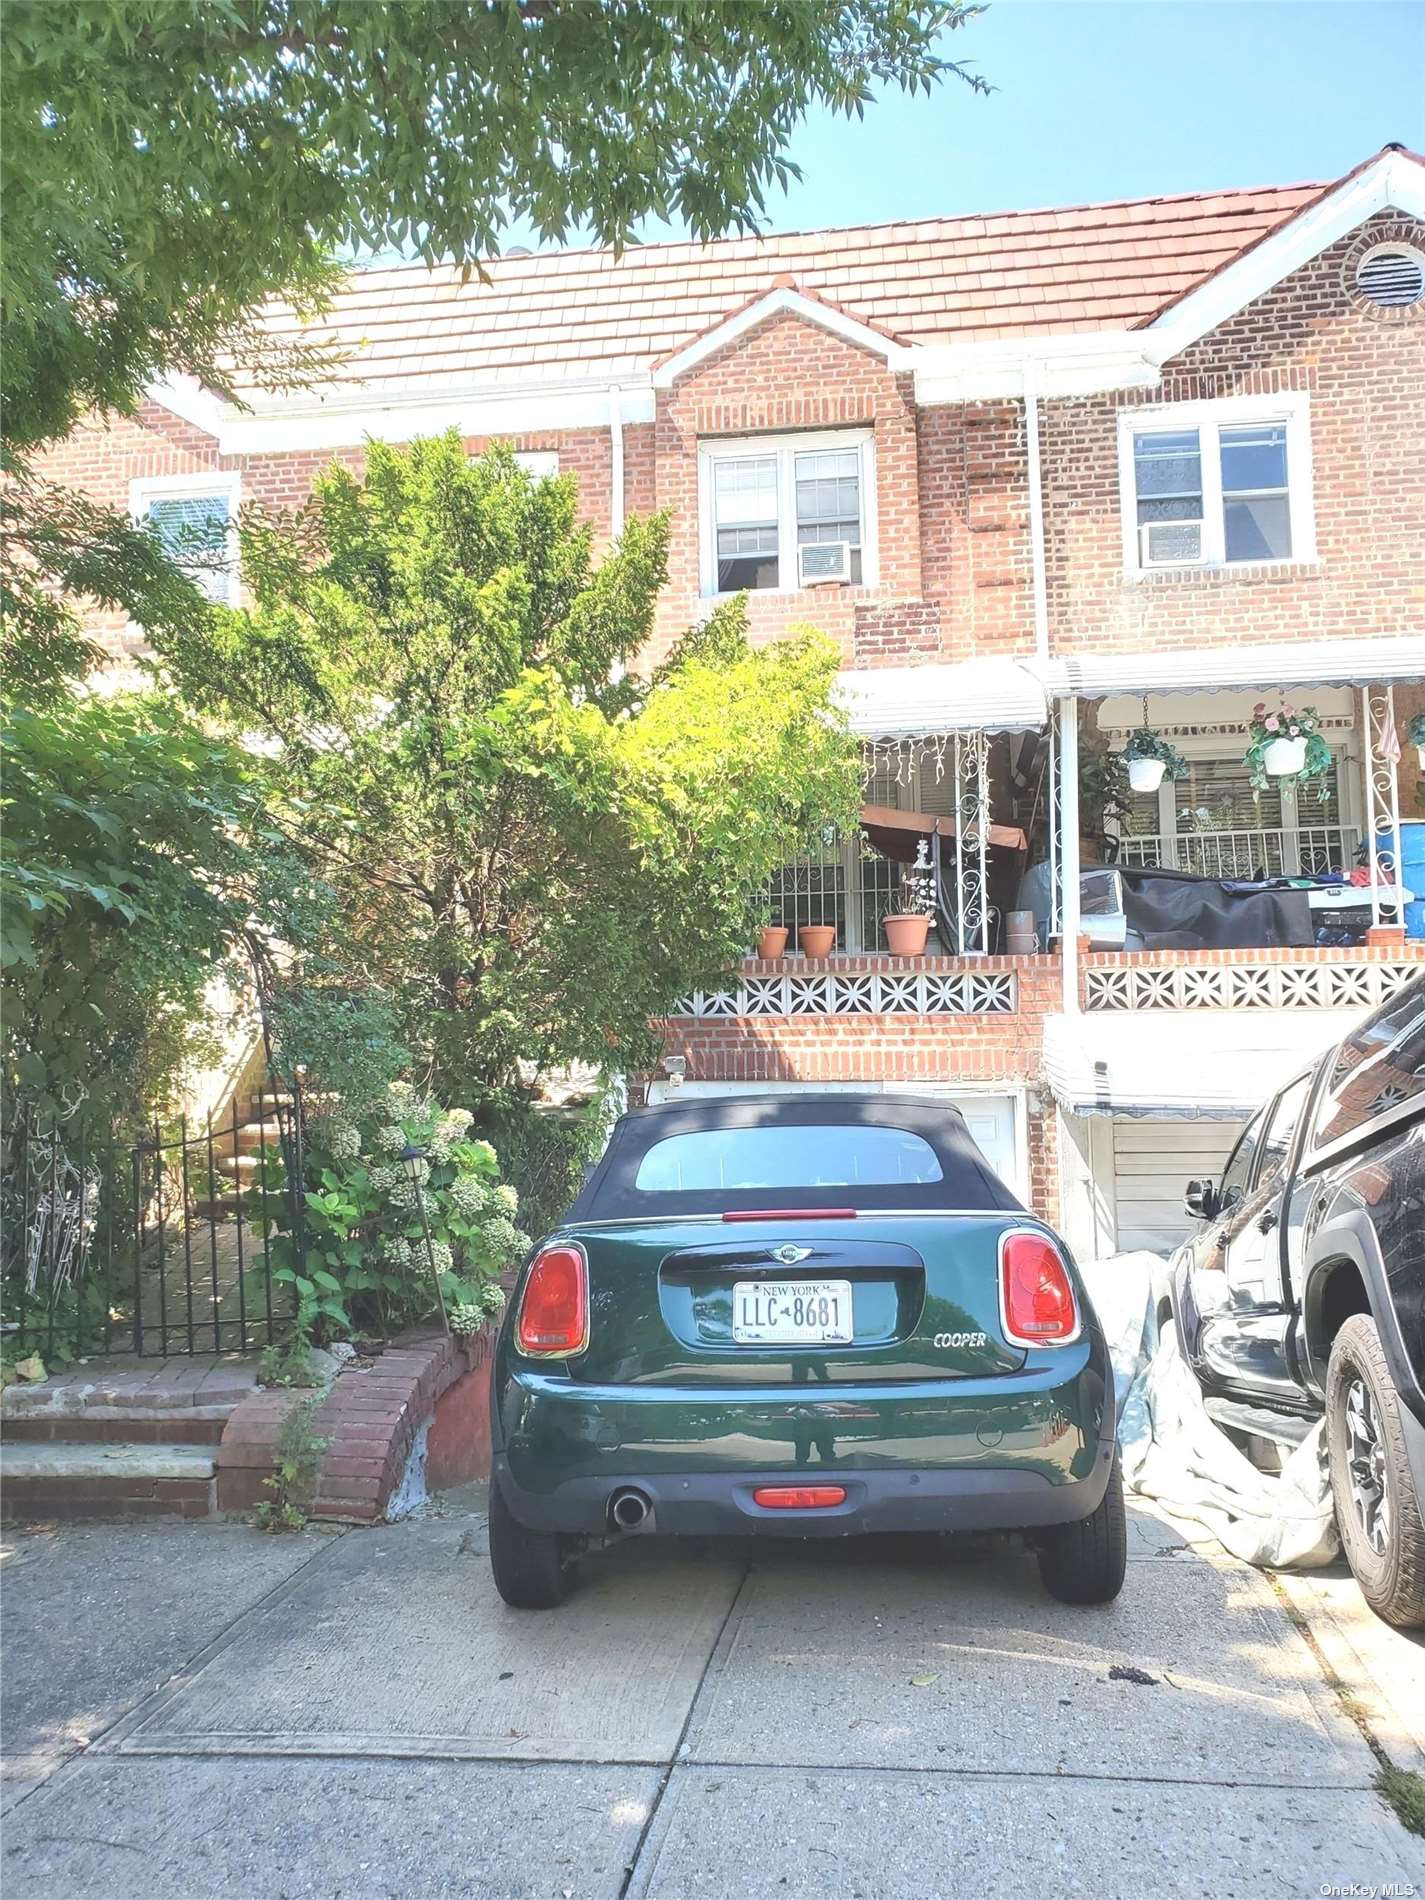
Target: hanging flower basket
point(1150, 758)
point(1286, 747)
point(1284, 758)
point(1416, 730)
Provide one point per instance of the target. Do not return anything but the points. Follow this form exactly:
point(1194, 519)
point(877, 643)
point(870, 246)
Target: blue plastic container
point(1412, 872)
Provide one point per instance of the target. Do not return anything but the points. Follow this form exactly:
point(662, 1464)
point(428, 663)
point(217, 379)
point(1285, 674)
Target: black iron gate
point(159, 1248)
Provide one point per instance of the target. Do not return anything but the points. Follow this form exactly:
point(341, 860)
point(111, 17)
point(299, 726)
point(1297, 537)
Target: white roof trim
point(1191, 1065)
point(1394, 181)
point(186, 397)
point(913, 702)
point(1343, 661)
point(783, 300)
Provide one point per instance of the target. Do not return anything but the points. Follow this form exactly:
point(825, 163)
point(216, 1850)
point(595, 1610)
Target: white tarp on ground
point(1175, 1454)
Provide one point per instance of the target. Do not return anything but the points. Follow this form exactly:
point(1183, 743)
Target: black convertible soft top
point(967, 1184)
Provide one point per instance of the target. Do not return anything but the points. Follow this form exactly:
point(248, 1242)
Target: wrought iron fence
point(158, 1248)
point(1307, 850)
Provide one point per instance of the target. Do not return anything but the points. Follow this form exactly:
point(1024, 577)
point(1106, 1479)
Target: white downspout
point(1036, 518)
point(616, 513)
point(1069, 851)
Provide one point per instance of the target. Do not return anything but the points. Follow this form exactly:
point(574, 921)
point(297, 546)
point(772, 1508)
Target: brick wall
point(785, 375)
point(1364, 369)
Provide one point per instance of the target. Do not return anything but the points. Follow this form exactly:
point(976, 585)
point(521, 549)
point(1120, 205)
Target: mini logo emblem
point(789, 1256)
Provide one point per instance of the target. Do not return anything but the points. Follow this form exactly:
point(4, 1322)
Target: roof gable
point(783, 299)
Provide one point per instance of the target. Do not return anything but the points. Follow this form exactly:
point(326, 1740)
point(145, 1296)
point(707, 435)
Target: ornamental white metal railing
point(1248, 985)
point(1290, 851)
point(1382, 799)
point(861, 993)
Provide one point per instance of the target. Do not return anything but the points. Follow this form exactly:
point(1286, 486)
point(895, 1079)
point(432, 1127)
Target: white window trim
point(1293, 408)
point(786, 448)
point(213, 482)
point(538, 464)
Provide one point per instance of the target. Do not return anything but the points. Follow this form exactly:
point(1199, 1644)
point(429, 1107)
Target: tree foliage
point(534, 850)
point(167, 167)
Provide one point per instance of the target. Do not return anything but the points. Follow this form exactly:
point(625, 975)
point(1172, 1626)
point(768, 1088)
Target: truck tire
point(1378, 1508)
point(1085, 1562)
point(530, 1567)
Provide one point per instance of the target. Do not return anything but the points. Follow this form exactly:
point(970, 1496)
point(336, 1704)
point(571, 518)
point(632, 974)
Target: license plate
point(791, 1312)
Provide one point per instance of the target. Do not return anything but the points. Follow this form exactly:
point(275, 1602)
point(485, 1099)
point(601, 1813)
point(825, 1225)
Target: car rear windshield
point(776, 1158)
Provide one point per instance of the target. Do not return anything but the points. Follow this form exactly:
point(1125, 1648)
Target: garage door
point(1152, 1163)
point(990, 1118)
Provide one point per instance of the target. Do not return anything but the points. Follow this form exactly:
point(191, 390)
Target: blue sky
point(1123, 99)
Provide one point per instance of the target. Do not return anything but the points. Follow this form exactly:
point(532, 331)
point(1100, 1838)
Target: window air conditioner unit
point(823, 561)
point(1170, 543)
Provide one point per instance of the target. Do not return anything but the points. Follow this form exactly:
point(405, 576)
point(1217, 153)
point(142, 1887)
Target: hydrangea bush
point(362, 1264)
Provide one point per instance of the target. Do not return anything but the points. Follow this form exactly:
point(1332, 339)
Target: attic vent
point(1391, 277)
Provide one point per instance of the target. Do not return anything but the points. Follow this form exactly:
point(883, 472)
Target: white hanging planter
point(1284, 758)
point(1420, 754)
point(1145, 775)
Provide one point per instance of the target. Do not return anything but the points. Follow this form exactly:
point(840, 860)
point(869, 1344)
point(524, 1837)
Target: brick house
point(1038, 474)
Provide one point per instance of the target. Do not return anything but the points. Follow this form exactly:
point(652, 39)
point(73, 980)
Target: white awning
point(1191, 1065)
point(1343, 661)
point(913, 702)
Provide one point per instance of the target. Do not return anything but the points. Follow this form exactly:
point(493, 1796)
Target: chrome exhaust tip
point(628, 1509)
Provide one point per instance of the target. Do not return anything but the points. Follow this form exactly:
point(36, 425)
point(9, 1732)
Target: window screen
point(193, 530)
point(1256, 513)
point(790, 1156)
point(829, 500)
point(745, 522)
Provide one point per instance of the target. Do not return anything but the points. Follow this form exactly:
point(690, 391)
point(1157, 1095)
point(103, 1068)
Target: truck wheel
point(529, 1567)
point(1085, 1562)
point(1377, 1505)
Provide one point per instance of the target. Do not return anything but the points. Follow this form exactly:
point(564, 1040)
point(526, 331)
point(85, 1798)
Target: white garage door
point(990, 1118)
point(1152, 1163)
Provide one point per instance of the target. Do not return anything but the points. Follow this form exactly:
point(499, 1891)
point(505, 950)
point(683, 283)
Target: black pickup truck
point(1303, 1292)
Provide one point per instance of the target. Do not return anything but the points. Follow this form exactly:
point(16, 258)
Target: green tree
point(169, 166)
point(534, 850)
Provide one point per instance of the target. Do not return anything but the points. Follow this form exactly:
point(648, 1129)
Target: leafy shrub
point(353, 1245)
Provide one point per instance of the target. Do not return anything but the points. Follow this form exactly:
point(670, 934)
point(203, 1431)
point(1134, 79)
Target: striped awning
point(1343, 661)
point(916, 702)
point(1190, 1065)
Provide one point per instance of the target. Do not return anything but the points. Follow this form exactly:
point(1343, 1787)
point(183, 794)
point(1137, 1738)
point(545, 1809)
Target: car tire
point(1378, 1509)
point(531, 1568)
point(1085, 1562)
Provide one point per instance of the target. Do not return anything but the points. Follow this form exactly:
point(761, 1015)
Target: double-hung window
point(195, 519)
point(1216, 484)
point(784, 512)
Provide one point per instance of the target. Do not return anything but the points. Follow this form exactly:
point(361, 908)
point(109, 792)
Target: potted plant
point(817, 940)
point(771, 942)
point(1286, 745)
point(1416, 729)
point(907, 928)
point(1149, 759)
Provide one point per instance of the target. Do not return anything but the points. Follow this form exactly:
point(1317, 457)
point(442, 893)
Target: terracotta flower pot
point(1145, 775)
point(1284, 758)
point(817, 940)
point(906, 933)
point(772, 942)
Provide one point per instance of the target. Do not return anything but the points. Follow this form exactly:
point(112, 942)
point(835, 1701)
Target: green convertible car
point(801, 1316)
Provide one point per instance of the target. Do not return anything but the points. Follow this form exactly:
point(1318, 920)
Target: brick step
point(118, 1425)
point(70, 1482)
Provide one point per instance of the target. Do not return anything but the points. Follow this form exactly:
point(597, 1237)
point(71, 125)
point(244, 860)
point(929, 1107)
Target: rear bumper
point(702, 1504)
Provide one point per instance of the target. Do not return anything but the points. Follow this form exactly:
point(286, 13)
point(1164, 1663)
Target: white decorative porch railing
point(862, 993)
point(1279, 851)
point(1265, 985)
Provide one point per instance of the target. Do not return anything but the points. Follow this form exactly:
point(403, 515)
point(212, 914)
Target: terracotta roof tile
point(937, 279)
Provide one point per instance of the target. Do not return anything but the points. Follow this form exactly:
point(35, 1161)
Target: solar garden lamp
point(411, 1158)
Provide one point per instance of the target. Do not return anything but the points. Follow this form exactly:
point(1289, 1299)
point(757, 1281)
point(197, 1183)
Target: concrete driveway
point(201, 1711)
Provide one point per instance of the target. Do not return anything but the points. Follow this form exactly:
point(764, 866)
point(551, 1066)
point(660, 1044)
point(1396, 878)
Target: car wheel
point(1377, 1505)
point(1085, 1562)
point(530, 1568)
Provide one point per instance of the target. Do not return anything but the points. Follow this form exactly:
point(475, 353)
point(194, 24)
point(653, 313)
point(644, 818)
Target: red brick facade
point(954, 573)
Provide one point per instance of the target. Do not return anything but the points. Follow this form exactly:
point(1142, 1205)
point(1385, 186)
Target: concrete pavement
point(357, 1715)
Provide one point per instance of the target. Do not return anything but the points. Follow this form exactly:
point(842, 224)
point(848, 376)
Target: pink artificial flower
point(1271, 722)
point(1259, 709)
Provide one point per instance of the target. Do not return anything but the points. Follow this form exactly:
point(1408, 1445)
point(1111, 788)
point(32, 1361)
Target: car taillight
point(554, 1311)
point(1036, 1296)
point(798, 1497)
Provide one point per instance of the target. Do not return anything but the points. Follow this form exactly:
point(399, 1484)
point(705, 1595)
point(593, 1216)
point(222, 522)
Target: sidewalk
point(357, 1714)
